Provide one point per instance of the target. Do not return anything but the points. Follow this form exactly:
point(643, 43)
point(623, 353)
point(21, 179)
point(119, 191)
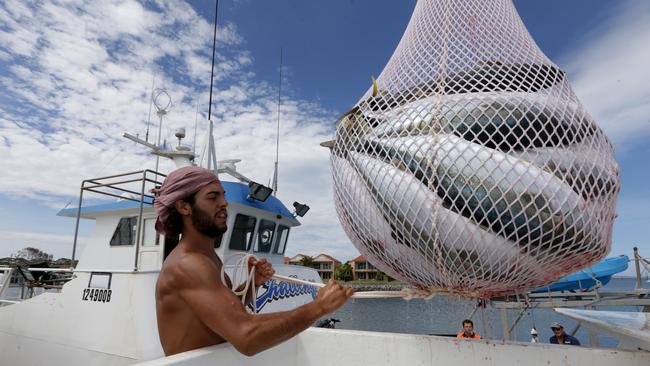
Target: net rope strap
point(242, 276)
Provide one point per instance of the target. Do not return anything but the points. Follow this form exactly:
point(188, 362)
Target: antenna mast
point(162, 107)
point(274, 185)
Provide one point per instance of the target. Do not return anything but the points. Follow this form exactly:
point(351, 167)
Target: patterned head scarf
point(179, 184)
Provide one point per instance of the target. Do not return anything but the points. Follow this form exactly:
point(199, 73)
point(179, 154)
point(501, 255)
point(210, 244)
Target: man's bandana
point(179, 184)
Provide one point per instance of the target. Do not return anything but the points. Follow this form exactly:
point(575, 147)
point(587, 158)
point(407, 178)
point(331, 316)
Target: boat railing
point(122, 186)
point(31, 278)
point(5, 280)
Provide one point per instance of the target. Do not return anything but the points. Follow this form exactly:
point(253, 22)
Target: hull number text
point(96, 294)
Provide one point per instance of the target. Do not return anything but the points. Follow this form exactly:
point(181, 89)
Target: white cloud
point(610, 73)
point(60, 246)
point(79, 75)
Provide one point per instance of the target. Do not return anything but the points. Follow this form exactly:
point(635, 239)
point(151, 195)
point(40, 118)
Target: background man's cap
point(556, 325)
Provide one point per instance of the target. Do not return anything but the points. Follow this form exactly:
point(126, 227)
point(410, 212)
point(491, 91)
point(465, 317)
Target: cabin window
point(281, 240)
point(265, 236)
point(125, 232)
point(242, 233)
point(150, 237)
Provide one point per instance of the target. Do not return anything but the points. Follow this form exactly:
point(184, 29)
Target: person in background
point(560, 337)
point(468, 331)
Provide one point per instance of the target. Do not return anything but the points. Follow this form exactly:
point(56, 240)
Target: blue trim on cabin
point(235, 193)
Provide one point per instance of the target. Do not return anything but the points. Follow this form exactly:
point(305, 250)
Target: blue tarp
point(586, 279)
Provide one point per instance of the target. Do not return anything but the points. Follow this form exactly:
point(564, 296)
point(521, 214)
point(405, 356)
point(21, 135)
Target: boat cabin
point(258, 227)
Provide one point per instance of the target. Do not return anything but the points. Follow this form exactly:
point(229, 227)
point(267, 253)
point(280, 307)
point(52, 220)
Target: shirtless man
point(194, 308)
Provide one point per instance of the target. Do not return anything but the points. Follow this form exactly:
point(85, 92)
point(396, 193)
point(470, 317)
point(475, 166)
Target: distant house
point(362, 269)
point(325, 265)
point(296, 260)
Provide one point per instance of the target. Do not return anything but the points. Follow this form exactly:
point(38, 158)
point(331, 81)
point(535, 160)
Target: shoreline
point(360, 287)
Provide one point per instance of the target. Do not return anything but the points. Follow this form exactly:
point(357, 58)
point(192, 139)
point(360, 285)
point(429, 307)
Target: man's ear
point(183, 207)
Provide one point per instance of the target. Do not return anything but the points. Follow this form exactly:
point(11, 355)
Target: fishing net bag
point(469, 165)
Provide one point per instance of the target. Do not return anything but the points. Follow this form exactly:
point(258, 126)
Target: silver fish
point(362, 220)
point(456, 243)
point(512, 197)
point(576, 166)
point(504, 121)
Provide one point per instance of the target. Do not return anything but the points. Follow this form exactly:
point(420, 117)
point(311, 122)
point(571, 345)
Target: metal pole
point(638, 269)
point(161, 114)
point(138, 231)
point(76, 228)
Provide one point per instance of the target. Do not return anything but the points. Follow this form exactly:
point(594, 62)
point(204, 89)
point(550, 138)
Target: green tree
point(33, 254)
point(381, 276)
point(306, 261)
point(343, 272)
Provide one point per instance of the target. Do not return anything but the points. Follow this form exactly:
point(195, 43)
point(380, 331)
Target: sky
point(76, 75)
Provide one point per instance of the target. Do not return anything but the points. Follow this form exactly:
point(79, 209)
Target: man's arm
point(219, 309)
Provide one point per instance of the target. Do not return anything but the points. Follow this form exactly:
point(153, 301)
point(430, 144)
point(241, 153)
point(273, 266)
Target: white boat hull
point(316, 347)
point(66, 329)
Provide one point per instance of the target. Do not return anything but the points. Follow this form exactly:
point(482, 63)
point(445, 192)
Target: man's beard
point(204, 223)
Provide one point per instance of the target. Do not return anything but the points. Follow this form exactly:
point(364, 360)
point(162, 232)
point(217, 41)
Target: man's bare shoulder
point(188, 269)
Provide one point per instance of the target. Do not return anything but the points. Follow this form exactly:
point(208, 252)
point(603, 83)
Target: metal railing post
point(76, 228)
point(138, 239)
point(638, 269)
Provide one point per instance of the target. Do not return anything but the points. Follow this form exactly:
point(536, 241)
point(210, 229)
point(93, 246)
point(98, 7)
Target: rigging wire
point(214, 46)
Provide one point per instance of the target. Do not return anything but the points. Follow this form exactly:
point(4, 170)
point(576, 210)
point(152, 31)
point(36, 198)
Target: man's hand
point(333, 296)
point(263, 270)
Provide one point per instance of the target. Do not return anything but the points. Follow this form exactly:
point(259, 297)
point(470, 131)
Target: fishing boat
point(105, 314)
point(586, 279)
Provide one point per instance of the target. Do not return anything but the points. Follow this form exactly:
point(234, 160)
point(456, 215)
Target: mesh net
point(470, 165)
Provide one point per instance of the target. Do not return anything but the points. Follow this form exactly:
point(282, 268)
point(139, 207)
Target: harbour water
point(442, 315)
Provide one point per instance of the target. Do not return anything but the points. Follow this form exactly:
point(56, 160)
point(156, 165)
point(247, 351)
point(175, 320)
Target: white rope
point(240, 270)
point(242, 276)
